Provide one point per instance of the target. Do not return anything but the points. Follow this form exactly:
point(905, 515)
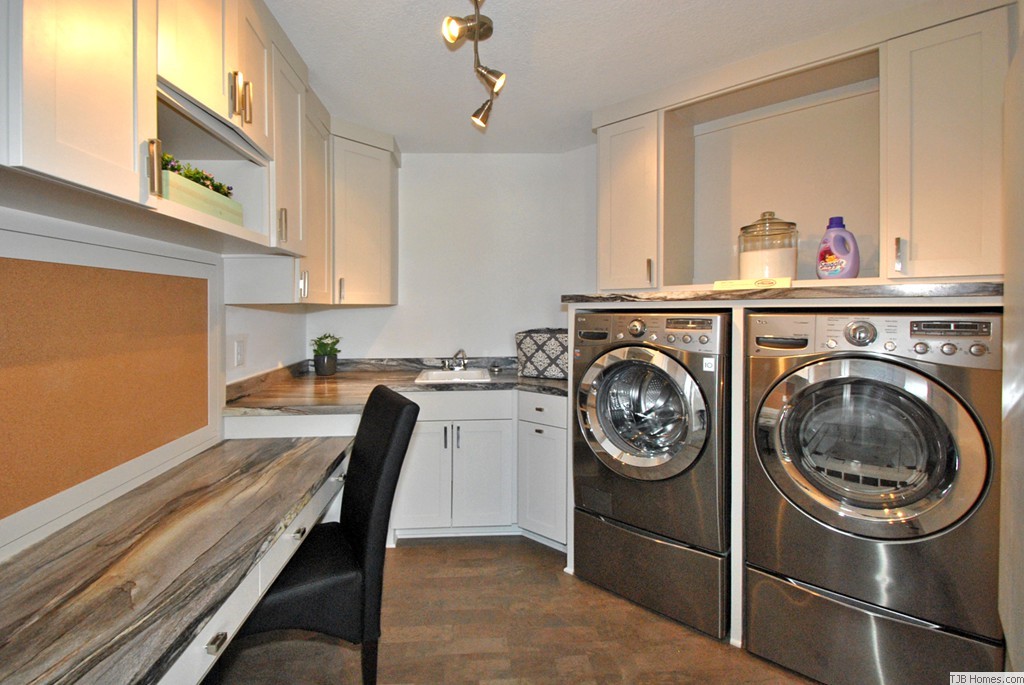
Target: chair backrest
point(374, 465)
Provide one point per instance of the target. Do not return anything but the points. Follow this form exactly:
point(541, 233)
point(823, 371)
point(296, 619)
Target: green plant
point(169, 163)
point(326, 344)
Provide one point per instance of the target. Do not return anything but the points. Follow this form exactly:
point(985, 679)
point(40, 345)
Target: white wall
point(487, 246)
point(1011, 566)
point(273, 337)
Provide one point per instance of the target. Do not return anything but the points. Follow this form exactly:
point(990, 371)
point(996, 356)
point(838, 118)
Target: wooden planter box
point(179, 189)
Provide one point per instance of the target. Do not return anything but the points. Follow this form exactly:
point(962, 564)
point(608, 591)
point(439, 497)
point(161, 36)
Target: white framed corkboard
point(97, 367)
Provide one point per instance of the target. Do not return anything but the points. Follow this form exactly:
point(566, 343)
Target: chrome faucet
point(458, 361)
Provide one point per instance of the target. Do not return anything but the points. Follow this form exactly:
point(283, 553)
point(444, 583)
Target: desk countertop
point(117, 595)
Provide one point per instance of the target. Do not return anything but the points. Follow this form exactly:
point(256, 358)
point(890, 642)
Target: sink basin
point(454, 376)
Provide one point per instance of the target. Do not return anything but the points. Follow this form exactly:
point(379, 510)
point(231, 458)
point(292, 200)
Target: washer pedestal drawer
point(843, 644)
point(683, 583)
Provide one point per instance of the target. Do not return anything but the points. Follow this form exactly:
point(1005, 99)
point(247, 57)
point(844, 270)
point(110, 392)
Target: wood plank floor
point(499, 611)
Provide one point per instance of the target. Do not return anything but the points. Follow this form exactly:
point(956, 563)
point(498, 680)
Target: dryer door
point(642, 413)
point(871, 448)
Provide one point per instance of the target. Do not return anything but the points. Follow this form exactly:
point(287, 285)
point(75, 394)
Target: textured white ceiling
point(383, 64)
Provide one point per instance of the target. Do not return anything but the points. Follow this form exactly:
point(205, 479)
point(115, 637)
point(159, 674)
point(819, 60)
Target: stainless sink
point(454, 376)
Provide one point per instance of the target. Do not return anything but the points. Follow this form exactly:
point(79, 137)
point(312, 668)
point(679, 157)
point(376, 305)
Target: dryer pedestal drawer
point(681, 582)
point(852, 645)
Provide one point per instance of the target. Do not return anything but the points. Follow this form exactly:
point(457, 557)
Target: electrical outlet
point(238, 351)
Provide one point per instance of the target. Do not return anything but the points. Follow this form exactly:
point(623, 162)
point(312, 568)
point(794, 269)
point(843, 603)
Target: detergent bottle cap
point(836, 222)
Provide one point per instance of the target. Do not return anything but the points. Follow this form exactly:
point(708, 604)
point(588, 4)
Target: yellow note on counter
point(754, 284)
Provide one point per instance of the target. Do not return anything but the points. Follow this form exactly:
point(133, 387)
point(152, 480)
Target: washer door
point(871, 448)
point(642, 413)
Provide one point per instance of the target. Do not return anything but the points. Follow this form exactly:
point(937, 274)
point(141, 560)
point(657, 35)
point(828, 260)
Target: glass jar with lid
point(768, 248)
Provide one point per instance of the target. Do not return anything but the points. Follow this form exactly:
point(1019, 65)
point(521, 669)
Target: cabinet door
point(253, 62)
point(542, 480)
point(424, 495)
point(289, 103)
point(316, 267)
point(191, 50)
point(365, 224)
point(74, 115)
point(943, 146)
point(627, 217)
point(483, 474)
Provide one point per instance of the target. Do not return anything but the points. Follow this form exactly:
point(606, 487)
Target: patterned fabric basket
point(543, 352)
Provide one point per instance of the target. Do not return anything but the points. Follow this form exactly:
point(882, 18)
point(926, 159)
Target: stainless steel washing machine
point(650, 462)
point(871, 515)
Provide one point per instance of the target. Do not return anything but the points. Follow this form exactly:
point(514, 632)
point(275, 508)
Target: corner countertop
point(805, 290)
point(295, 390)
point(116, 596)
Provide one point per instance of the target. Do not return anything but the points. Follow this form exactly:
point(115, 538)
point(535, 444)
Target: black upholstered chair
point(333, 583)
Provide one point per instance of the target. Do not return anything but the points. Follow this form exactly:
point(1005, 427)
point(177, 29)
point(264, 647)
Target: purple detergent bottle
point(838, 256)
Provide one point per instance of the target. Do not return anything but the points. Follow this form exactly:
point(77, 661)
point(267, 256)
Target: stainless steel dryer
point(872, 494)
point(650, 461)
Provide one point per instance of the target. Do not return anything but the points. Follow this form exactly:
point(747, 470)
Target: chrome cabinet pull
point(155, 167)
point(217, 643)
point(898, 264)
point(304, 284)
point(236, 89)
point(299, 533)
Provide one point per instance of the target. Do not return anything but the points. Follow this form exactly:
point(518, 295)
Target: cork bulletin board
point(97, 367)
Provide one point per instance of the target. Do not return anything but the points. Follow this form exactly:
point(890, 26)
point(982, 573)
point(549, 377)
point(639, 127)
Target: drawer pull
point(538, 431)
point(540, 409)
point(299, 534)
point(215, 645)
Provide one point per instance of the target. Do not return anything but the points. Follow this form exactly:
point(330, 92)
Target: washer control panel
point(688, 331)
point(969, 340)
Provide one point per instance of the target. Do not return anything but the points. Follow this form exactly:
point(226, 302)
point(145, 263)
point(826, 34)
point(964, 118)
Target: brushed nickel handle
point(248, 102)
point(898, 264)
point(236, 89)
point(282, 224)
point(299, 533)
point(155, 167)
point(650, 271)
point(341, 289)
point(217, 643)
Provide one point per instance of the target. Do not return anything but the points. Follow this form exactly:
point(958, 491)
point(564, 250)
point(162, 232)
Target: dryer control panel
point(968, 340)
point(689, 331)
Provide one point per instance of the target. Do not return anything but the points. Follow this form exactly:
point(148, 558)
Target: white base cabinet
point(543, 466)
point(459, 472)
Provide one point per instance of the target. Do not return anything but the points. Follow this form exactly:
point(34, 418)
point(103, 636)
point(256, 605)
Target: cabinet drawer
point(288, 543)
point(549, 410)
point(196, 660)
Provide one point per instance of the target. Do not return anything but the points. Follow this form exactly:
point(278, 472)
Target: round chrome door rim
point(930, 514)
point(621, 461)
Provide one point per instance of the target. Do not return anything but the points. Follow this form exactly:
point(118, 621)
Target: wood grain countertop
point(294, 390)
point(117, 595)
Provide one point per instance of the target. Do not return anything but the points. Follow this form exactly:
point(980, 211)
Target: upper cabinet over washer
point(894, 124)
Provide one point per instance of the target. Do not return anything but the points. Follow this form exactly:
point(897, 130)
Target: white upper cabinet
point(365, 224)
point(943, 149)
point(192, 50)
point(249, 77)
point(72, 92)
point(316, 268)
point(289, 104)
point(627, 217)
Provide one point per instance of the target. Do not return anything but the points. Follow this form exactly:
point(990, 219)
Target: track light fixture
point(476, 28)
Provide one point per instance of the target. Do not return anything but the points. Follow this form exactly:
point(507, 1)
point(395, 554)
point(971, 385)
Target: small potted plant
point(325, 354)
